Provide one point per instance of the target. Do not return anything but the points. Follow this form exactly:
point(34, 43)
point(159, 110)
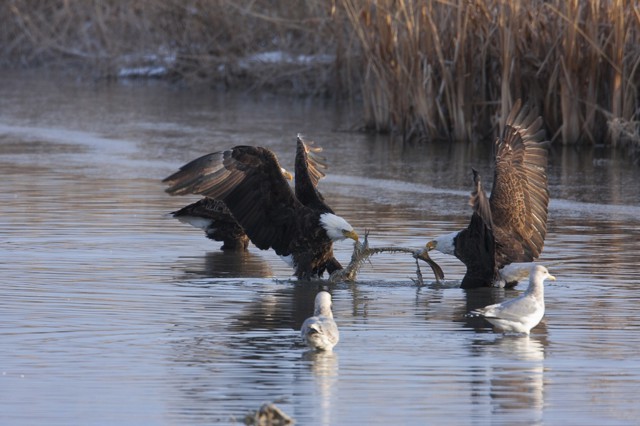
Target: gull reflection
point(519, 385)
point(324, 367)
point(515, 375)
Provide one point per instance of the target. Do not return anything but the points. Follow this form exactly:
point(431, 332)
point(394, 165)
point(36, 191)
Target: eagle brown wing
point(216, 221)
point(315, 164)
point(207, 208)
point(308, 172)
point(520, 195)
point(250, 183)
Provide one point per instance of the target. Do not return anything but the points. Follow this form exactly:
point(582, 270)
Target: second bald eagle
point(510, 225)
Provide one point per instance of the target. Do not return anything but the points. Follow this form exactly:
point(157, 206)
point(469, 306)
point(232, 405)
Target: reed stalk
point(577, 60)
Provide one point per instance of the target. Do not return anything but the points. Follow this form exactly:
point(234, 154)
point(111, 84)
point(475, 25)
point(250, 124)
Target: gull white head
point(444, 244)
point(322, 305)
point(536, 282)
point(337, 228)
point(539, 273)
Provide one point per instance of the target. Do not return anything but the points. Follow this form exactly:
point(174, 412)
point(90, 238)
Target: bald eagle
point(215, 219)
point(511, 224)
point(249, 181)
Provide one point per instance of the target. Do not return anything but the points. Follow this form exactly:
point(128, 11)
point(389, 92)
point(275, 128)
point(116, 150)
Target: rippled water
point(113, 313)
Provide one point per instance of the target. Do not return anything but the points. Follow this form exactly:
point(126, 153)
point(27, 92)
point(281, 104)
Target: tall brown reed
point(448, 68)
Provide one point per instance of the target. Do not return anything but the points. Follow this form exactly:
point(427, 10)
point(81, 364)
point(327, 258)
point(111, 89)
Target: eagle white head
point(445, 244)
point(337, 228)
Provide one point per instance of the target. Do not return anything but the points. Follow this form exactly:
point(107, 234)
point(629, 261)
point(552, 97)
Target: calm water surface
point(113, 313)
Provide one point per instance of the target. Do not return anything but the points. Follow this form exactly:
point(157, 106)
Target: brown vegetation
point(423, 69)
point(445, 68)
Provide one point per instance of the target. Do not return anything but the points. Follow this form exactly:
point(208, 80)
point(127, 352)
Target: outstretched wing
point(520, 195)
point(315, 163)
point(250, 183)
point(215, 219)
point(207, 208)
point(308, 171)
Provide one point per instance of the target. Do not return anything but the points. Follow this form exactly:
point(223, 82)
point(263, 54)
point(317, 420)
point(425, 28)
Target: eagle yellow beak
point(350, 234)
point(431, 245)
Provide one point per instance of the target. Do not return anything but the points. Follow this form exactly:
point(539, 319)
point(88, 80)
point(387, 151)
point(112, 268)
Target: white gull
point(521, 314)
point(320, 331)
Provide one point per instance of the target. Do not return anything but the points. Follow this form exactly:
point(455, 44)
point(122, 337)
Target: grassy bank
point(422, 69)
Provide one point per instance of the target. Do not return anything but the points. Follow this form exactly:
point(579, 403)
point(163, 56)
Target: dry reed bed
point(445, 68)
point(423, 69)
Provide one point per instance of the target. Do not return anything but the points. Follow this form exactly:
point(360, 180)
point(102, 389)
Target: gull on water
point(320, 331)
point(521, 314)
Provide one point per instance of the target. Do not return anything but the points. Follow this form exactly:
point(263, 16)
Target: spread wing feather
point(207, 208)
point(308, 169)
point(520, 196)
point(250, 183)
point(213, 217)
point(315, 163)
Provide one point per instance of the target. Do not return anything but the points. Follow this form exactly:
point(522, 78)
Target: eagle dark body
point(250, 183)
point(223, 226)
point(509, 226)
point(475, 247)
point(217, 221)
point(312, 252)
